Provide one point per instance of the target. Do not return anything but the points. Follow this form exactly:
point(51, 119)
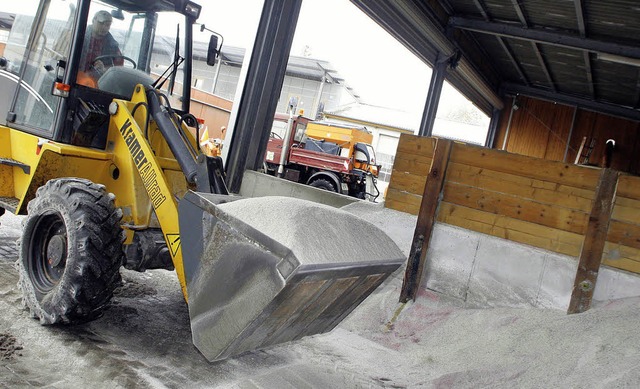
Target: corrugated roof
point(549, 49)
point(381, 116)
point(544, 65)
point(370, 115)
point(6, 20)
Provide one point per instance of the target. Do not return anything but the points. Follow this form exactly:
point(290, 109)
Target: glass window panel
point(35, 104)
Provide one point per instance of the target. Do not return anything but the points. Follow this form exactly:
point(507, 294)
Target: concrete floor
point(143, 341)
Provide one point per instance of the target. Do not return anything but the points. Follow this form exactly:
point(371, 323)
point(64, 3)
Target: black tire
point(70, 252)
point(322, 183)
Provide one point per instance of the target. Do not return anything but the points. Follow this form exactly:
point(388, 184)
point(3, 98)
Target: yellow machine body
point(144, 177)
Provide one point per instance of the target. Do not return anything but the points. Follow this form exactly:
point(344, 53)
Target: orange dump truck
point(325, 155)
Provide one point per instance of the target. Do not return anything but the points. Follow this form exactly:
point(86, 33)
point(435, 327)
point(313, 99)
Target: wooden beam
point(482, 8)
point(582, 27)
point(544, 66)
point(544, 36)
point(426, 220)
point(520, 12)
point(512, 58)
point(594, 241)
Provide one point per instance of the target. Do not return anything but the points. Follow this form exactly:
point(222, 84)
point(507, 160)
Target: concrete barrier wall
point(255, 184)
point(482, 270)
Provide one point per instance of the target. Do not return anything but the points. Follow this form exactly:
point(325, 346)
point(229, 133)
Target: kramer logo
point(147, 173)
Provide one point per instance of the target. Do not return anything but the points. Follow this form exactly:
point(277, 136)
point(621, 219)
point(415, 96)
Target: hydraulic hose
point(373, 181)
point(172, 135)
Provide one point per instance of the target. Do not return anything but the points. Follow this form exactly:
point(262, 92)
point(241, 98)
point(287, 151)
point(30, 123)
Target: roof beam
point(513, 60)
point(582, 27)
point(544, 36)
point(520, 12)
point(590, 105)
point(587, 63)
point(505, 47)
point(637, 104)
point(525, 23)
point(482, 8)
point(544, 66)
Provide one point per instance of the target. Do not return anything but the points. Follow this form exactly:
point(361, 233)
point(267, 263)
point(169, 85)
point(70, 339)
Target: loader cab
point(66, 60)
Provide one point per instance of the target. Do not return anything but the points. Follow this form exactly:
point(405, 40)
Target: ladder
point(584, 152)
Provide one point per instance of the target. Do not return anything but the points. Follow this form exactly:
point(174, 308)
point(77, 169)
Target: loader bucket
point(269, 270)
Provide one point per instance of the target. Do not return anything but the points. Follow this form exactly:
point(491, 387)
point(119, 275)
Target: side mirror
point(117, 14)
point(212, 52)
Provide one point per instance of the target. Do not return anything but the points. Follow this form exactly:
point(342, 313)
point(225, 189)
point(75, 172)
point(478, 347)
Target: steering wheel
point(112, 57)
point(274, 135)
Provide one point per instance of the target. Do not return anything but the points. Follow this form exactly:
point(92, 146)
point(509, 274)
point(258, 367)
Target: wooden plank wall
point(622, 249)
point(541, 129)
point(529, 200)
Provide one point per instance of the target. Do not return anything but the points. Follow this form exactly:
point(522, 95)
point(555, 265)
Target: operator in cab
point(100, 50)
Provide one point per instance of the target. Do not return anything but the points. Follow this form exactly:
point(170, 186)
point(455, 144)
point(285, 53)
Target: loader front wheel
point(71, 251)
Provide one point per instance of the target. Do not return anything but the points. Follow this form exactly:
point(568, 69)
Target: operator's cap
point(103, 16)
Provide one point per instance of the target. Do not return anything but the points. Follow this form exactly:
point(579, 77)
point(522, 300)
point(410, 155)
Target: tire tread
point(92, 270)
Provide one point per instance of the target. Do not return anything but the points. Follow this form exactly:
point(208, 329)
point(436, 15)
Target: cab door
point(37, 49)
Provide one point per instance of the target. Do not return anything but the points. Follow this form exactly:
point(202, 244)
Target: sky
point(379, 68)
point(376, 65)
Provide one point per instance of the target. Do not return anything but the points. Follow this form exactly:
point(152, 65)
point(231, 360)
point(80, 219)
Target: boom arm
point(251, 278)
point(152, 175)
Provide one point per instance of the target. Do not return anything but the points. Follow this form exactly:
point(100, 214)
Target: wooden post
point(594, 240)
point(426, 219)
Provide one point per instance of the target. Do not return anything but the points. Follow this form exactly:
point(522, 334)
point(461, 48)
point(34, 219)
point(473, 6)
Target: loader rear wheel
point(71, 251)
point(321, 183)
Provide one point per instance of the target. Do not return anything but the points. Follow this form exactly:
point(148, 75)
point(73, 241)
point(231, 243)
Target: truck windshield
point(372, 155)
point(149, 42)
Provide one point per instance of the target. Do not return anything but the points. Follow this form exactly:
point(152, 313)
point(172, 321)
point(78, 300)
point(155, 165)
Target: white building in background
point(315, 83)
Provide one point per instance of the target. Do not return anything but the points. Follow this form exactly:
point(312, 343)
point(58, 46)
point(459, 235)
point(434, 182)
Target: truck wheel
point(70, 251)
point(321, 183)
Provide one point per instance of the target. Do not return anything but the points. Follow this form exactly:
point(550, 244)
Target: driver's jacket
point(95, 46)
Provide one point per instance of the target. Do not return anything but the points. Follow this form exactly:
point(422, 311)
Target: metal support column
point(318, 99)
point(438, 74)
point(493, 128)
point(573, 125)
point(265, 75)
point(514, 107)
point(216, 75)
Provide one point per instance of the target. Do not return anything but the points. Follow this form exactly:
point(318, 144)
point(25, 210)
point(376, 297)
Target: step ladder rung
point(12, 162)
point(9, 203)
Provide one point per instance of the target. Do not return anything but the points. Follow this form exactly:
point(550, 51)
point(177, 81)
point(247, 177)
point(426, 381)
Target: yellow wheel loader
point(95, 150)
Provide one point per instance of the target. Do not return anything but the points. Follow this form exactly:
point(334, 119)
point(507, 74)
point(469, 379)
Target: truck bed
point(320, 160)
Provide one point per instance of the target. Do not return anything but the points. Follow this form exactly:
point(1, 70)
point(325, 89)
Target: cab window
point(115, 39)
point(32, 53)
